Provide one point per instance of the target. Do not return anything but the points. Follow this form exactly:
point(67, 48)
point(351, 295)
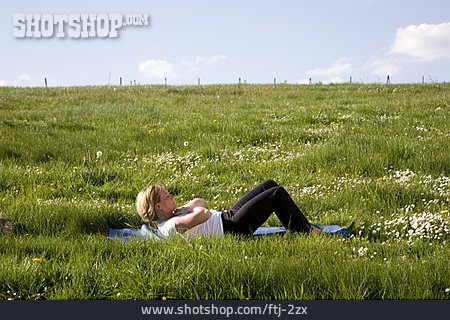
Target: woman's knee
point(270, 183)
point(280, 191)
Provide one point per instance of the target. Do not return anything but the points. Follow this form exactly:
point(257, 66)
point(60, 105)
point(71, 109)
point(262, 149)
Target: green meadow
point(73, 159)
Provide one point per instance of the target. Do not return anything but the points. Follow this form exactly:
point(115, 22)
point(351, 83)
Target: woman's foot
point(351, 229)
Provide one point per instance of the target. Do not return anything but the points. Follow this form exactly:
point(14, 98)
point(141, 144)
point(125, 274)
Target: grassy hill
point(73, 159)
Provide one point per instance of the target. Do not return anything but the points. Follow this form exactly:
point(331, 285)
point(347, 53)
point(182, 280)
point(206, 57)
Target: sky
point(221, 41)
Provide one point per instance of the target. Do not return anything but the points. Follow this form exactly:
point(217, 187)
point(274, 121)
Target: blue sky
point(222, 41)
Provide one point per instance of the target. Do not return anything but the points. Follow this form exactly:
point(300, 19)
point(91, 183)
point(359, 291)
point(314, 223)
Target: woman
point(155, 203)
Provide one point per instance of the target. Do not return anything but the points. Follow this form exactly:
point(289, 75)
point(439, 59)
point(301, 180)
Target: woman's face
point(167, 201)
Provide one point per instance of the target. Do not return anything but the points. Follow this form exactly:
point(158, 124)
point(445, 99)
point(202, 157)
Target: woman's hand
point(189, 207)
point(197, 202)
point(183, 210)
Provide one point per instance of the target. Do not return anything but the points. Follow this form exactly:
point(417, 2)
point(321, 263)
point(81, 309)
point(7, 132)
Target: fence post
point(198, 80)
point(388, 80)
point(274, 80)
point(45, 80)
point(120, 80)
point(423, 79)
point(350, 79)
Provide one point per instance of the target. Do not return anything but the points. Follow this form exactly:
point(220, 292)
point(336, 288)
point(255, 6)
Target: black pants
point(255, 207)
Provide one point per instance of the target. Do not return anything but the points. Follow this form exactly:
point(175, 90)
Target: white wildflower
point(362, 251)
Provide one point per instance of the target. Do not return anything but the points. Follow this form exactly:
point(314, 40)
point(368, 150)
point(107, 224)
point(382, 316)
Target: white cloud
point(23, 80)
point(303, 81)
point(216, 58)
point(424, 42)
point(337, 80)
point(340, 67)
point(158, 69)
point(24, 77)
point(384, 66)
point(332, 80)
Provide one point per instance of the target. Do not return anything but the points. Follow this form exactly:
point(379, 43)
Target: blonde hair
point(146, 201)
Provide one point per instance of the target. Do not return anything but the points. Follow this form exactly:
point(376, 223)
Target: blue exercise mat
point(146, 233)
point(332, 230)
point(129, 233)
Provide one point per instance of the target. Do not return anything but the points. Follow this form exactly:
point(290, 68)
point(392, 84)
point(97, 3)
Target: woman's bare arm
point(196, 217)
point(188, 207)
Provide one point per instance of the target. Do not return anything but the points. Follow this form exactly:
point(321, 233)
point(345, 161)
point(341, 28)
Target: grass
point(73, 159)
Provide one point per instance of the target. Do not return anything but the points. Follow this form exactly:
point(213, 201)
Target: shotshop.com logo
point(74, 25)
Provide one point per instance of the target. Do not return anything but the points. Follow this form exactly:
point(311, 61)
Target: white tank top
point(211, 227)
